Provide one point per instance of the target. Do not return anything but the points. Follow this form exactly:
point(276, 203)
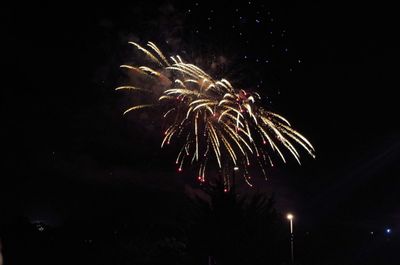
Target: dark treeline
point(214, 228)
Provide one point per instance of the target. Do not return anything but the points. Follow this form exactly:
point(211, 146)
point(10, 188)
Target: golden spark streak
point(168, 112)
point(174, 68)
point(155, 48)
point(298, 135)
point(229, 148)
point(165, 97)
point(174, 60)
point(192, 70)
point(149, 54)
point(309, 150)
point(179, 58)
point(280, 117)
point(215, 148)
point(137, 107)
point(180, 82)
point(149, 70)
point(207, 104)
point(197, 137)
point(180, 91)
point(131, 88)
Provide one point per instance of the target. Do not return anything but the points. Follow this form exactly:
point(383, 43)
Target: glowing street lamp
point(235, 169)
point(290, 217)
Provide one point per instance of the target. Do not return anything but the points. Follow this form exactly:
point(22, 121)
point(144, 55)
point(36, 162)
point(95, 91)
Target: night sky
point(328, 67)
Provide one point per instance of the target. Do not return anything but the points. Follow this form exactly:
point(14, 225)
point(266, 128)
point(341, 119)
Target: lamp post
point(290, 218)
point(233, 188)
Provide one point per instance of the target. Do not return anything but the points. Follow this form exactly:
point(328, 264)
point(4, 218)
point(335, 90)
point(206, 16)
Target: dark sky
point(328, 67)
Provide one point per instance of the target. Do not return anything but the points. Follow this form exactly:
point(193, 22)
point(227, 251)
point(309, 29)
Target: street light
point(290, 217)
point(233, 186)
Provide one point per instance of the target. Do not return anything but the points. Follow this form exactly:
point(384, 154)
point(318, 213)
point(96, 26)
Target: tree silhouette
point(229, 229)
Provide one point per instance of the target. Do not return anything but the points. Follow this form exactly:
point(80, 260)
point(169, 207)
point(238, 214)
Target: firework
point(212, 120)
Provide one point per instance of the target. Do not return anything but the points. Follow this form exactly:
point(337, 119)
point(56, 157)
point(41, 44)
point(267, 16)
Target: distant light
point(40, 227)
point(236, 168)
point(371, 232)
point(290, 216)
point(388, 231)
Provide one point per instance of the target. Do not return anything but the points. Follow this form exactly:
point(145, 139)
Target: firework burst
point(214, 121)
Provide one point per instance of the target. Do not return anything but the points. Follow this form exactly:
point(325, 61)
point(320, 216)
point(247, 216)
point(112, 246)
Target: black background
point(68, 152)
